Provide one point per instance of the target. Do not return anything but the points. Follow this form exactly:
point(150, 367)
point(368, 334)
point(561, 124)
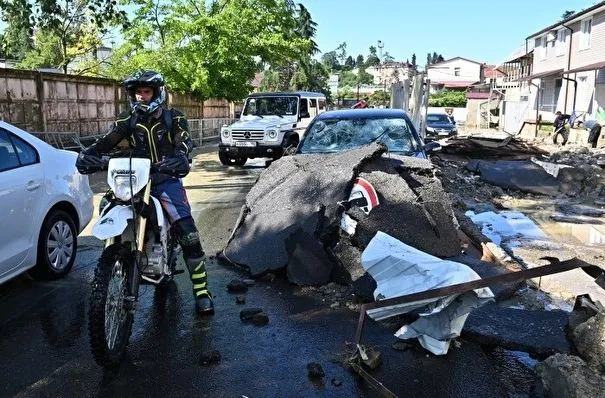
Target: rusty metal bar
point(554, 267)
point(375, 384)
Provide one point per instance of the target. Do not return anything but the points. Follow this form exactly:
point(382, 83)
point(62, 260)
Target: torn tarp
point(399, 269)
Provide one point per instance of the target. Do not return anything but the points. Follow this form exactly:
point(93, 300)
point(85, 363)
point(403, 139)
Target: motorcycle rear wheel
point(109, 322)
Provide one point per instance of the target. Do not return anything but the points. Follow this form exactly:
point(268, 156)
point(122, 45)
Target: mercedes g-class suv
point(270, 125)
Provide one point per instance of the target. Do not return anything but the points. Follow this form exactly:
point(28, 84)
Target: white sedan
point(44, 204)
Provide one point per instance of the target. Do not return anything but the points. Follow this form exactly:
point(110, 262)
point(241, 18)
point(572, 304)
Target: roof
point(288, 93)
point(491, 71)
point(541, 75)
point(455, 83)
point(571, 19)
point(367, 113)
point(451, 59)
point(477, 95)
point(595, 66)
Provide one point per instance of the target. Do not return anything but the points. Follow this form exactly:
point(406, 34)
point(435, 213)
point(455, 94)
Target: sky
point(481, 30)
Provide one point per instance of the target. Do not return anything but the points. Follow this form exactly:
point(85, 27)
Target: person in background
point(561, 126)
point(361, 104)
point(594, 131)
point(450, 115)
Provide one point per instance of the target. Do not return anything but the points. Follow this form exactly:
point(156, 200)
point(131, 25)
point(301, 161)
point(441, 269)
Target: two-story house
point(455, 74)
point(568, 69)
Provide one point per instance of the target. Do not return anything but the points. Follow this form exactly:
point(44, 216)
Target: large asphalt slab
point(44, 347)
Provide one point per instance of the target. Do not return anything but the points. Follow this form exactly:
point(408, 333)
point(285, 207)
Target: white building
point(455, 74)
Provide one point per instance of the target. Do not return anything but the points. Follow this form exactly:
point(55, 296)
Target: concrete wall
point(42, 102)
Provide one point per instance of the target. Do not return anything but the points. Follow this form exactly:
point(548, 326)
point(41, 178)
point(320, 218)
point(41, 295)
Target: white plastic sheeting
point(399, 269)
point(506, 225)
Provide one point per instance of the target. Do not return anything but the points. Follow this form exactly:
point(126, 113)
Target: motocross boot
point(203, 299)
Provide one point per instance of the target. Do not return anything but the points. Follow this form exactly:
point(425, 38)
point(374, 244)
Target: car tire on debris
point(57, 246)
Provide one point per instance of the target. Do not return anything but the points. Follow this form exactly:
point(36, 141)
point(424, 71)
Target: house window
point(585, 33)
point(456, 71)
point(550, 39)
point(561, 40)
point(543, 47)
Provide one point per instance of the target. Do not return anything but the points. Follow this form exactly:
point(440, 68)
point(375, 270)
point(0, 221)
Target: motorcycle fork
point(134, 274)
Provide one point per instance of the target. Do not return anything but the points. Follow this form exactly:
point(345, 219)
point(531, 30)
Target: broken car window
point(335, 135)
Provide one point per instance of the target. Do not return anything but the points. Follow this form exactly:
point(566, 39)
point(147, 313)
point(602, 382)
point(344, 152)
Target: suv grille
point(248, 135)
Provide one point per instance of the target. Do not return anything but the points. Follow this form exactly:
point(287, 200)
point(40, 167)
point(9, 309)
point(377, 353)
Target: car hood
point(448, 126)
point(261, 123)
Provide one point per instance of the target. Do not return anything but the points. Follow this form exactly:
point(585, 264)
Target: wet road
point(44, 348)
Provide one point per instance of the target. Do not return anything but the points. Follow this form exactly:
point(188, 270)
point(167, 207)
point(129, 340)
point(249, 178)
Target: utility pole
point(381, 66)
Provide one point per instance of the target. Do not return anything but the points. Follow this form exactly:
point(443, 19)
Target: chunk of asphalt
point(210, 357)
point(315, 371)
point(249, 282)
point(336, 382)
point(374, 359)
point(540, 333)
point(240, 299)
point(401, 346)
point(237, 286)
point(260, 319)
point(248, 313)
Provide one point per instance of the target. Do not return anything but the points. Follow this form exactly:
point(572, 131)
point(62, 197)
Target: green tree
point(345, 93)
point(347, 79)
point(17, 38)
point(306, 27)
point(330, 60)
point(372, 58)
point(380, 98)
point(349, 63)
point(359, 61)
point(567, 14)
point(387, 57)
point(448, 98)
point(414, 62)
point(210, 50)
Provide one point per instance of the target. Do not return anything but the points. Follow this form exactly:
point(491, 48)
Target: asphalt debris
point(315, 371)
point(237, 286)
point(248, 313)
point(210, 357)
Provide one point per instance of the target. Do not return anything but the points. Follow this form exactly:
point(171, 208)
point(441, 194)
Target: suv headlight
point(122, 186)
point(225, 132)
point(272, 134)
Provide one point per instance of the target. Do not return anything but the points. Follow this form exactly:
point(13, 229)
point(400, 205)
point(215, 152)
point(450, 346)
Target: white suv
point(270, 125)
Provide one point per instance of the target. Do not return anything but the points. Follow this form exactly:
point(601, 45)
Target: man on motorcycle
point(162, 135)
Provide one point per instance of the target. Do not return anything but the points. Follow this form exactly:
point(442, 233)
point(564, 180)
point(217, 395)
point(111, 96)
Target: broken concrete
point(539, 333)
point(589, 339)
point(567, 376)
point(524, 176)
point(248, 313)
point(315, 370)
point(506, 147)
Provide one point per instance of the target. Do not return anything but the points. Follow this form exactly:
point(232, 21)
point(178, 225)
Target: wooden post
point(116, 96)
point(41, 107)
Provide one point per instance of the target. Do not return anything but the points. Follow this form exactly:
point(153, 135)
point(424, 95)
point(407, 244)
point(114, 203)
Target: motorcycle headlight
point(272, 134)
point(122, 186)
point(225, 132)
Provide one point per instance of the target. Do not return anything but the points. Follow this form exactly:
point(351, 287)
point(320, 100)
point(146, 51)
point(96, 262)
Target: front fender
point(112, 223)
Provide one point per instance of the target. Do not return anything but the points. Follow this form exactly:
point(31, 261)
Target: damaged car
point(336, 131)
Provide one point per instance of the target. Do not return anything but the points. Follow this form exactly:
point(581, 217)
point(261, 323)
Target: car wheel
point(240, 161)
point(224, 158)
point(57, 246)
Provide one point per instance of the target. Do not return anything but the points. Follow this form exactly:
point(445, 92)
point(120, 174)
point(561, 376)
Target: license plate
point(442, 133)
point(245, 143)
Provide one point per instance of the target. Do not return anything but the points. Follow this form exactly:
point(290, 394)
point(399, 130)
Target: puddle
point(589, 231)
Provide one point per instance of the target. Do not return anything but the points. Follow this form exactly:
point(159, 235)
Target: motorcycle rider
point(162, 135)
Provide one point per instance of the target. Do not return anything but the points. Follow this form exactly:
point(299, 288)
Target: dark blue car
point(439, 125)
point(336, 131)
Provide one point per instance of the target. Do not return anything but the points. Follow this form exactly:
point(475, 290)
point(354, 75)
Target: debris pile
point(305, 214)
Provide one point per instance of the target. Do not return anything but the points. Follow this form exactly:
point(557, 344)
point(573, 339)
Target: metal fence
point(207, 129)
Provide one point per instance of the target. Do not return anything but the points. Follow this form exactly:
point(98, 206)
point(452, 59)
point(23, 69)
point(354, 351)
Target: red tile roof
point(455, 84)
point(490, 71)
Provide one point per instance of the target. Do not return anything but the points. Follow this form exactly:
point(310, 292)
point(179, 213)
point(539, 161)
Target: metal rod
point(519, 276)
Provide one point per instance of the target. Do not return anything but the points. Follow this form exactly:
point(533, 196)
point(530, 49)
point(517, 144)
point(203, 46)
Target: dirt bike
point(139, 249)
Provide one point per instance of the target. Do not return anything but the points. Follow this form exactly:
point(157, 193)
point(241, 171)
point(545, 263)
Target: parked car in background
point(439, 125)
point(270, 125)
point(341, 130)
point(44, 204)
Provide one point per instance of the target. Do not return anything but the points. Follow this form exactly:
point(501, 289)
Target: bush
point(447, 98)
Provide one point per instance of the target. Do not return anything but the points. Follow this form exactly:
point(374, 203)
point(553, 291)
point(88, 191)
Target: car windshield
point(437, 119)
point(267, 106)
point(335, 135)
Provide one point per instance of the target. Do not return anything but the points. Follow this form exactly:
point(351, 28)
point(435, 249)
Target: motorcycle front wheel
point(109, 322)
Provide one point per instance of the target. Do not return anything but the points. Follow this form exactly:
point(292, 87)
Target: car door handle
point(31, 186)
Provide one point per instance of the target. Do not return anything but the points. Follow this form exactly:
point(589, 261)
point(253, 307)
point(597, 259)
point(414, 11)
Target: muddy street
point(45, 350)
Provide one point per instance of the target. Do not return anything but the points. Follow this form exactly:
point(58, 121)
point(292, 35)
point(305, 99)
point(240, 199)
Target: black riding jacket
point(149, 138)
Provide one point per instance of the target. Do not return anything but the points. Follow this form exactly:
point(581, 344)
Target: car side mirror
point(431, 146)
point(304, 115)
